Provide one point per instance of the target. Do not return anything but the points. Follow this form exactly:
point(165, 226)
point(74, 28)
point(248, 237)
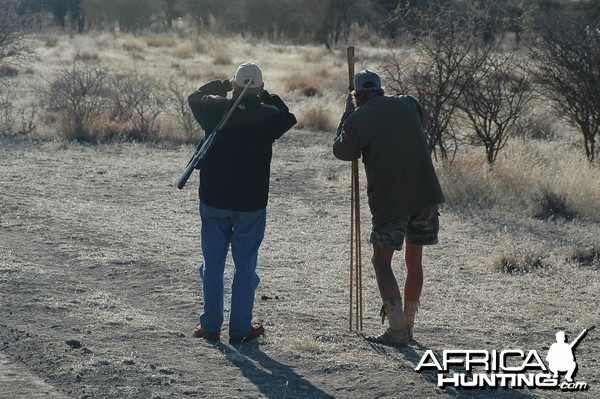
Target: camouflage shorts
point(419, 228)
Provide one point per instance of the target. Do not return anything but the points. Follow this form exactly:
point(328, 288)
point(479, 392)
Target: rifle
point(583, 333)
point(204, 147)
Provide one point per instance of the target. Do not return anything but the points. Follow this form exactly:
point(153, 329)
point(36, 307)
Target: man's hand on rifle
point(350, 103)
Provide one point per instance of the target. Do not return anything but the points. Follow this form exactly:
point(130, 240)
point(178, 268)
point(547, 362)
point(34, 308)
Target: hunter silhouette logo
point(509, 368)
point(560, 355)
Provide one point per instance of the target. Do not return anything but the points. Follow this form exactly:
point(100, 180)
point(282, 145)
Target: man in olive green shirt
point(402, 188)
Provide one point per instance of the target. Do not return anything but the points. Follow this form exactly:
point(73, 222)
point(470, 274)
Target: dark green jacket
point(388, 132)
point(235, 174)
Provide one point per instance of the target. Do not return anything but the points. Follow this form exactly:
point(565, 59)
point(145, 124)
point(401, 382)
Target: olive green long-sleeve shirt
point(388, 132)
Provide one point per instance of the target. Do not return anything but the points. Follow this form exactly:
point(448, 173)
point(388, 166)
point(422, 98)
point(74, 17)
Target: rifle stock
point(183, 178)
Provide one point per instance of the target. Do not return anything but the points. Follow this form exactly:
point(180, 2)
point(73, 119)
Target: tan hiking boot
point(411, 307)
point(396, 332)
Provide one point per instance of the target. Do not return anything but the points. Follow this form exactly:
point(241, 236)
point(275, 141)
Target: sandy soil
point(99, 288)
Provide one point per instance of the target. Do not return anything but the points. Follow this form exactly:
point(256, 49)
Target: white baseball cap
point(246, 72)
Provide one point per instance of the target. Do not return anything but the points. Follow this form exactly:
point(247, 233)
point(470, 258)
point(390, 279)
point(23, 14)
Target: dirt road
point(99, 287)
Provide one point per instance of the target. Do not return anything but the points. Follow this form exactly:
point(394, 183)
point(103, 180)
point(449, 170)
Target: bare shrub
point(494, 101)
point(14, 47)
point(177, 106)
point(79, 94)
point(568, 72)
point(136, 106)
point(440, 69)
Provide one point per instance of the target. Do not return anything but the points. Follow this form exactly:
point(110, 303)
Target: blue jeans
point(244, 231)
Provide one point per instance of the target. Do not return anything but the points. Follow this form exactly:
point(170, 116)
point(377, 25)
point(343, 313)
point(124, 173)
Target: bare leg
point(396, 333)
point(413, 255)
point(386, 281)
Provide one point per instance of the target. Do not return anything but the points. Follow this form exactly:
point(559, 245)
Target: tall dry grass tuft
point(86, 56)
point(586, 257)
point(160, 41)
point(222, 59)
point(307, 86)
point(184, 51)
point(540, 182)
point(519, 263)
point(134, 45)
point(317, 115)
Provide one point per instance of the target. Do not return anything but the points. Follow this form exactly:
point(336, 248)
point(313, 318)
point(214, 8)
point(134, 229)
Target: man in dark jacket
point(233, 192)
point(402, 188)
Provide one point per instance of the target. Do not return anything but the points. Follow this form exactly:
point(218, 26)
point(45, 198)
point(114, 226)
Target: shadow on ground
point(272, 378)
point(410, 356)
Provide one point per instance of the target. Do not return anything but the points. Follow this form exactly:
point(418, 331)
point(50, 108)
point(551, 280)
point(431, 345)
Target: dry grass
point(547, 181)
point(86, 56)
point(101, 247)
point(222, 59)
point(321, 115)
point(105, 246)
point(160, 41)
point(306, 86)
point(133, 44)
point(543, 178)
point(184, 51)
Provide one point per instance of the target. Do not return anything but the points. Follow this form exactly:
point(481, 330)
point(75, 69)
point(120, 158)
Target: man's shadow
point(410, 356)
point(272, 378)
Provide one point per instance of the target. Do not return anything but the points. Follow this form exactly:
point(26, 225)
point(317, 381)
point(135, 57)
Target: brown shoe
point(199, 332)
point(256, 331)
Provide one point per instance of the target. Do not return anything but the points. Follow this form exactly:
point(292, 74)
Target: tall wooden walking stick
point(355, 252)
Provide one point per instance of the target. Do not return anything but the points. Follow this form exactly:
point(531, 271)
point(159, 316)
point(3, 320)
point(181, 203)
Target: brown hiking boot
point(200, 332)
point(256, 331)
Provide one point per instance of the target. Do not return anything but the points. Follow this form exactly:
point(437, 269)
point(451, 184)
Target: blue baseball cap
point(366, 80)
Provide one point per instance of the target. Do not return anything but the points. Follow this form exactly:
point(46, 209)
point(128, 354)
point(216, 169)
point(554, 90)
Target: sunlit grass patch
point(317, 115)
